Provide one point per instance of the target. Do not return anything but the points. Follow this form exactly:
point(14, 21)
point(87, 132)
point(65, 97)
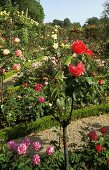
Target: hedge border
point(47, 122)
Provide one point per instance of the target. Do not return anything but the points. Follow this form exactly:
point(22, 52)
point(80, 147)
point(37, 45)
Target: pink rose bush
point(26, 146)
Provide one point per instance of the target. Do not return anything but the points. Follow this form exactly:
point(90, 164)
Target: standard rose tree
point(73, 86)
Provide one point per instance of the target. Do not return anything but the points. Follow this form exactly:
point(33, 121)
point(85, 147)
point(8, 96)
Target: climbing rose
point(16, 67)
point(100, 82)
point(41, 99)
point(16, 40)
point(103, 130)
point(78, 47)
point(22, 148)
point(92, 135)
point(36, 146)
point(98, 148)
point(89, 52)
point(36, 159)
point(6, 52)
point(77, 70)
point(50, 150)
point(18, 53)
point(38, 87)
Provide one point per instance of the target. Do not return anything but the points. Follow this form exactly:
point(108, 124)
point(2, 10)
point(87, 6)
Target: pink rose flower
point(6, 52)
point(41, 99)
point(36, 159)
point(3, 71)
point(18, 53)
point(38, 87)
point(22, 148)
point(50, 150)
point(16, 67)
point(36, 146)
point(77, 70)
point(26, 141)
point(16, 40)
point(12, 145)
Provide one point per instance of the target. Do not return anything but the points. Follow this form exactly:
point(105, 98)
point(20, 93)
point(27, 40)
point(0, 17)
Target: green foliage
point(48, 122)
point(32, 8)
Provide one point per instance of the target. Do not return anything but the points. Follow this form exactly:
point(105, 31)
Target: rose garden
point(61, 74)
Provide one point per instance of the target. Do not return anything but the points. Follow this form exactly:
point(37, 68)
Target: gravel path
point(94, 122)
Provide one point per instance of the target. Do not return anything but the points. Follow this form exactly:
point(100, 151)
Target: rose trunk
point(65, 147)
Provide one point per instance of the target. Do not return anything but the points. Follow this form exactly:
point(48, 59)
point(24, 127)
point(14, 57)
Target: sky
point(75, 10)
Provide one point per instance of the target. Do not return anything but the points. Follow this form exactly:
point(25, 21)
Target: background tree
point(67, 22)
point(32, 8)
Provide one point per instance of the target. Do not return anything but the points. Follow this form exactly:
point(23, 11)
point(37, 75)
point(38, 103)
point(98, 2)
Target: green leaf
point(68, 61)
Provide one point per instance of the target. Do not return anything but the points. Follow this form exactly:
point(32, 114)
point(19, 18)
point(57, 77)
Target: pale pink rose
point(12, 145)
point(50, 150)
point(16, 67)
point(18, 53)
point(16, 40)
point(6, 52)
point(3, 70)
point(22, 148)
point(26, 141)
point(53, 60)
point(41, 99)
point(46, 83)
point(36, 146)
point(36, 159)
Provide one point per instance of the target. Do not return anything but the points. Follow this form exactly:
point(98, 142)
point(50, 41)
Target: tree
point(67, 22)
point(58, 22)
point(106, 9)
point(32, 8)
point(92, 21)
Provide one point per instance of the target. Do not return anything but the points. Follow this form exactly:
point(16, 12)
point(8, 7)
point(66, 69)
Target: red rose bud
point(78, 47)
point(103, 130)
point(25, 84)
point(77, 70)
point(98, 148)
point(89, 52)
point(92, 135)
point(100, 82)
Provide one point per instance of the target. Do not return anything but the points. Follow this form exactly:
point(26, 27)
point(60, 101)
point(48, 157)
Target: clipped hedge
point(48, 122)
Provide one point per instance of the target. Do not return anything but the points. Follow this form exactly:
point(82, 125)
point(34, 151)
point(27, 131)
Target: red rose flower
point(77, 70)
point(98, 148)
point(38, 87)
point(89, 52)
point(92, 135)
point(100, 82)
point(78, 47)
point(103, 130)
